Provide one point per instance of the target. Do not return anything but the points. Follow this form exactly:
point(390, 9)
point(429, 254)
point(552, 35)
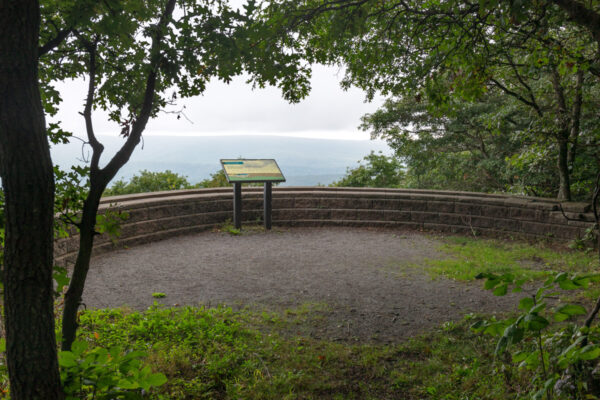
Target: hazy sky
point(329, 112)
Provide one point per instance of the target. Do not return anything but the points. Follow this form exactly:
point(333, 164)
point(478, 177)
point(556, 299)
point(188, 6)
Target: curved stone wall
point(155, 216)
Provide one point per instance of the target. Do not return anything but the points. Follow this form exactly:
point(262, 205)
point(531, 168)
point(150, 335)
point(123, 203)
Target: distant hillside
point(303, 161)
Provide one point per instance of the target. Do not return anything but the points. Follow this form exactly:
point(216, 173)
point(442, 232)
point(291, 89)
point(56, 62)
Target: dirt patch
point(359, 276)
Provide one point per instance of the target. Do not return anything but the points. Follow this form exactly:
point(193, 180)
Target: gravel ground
point(360, 279)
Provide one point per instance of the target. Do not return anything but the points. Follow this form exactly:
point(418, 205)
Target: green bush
point(148, 181)
point(379, 171)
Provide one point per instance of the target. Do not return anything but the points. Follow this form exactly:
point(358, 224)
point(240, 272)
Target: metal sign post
point(268, 197)
point(237, 205)
point(238, 171)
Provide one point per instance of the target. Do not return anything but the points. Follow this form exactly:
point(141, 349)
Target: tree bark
point(575, 121)
point(28, 182)
point(82, 265)
point(563, 122)
point(564, 188)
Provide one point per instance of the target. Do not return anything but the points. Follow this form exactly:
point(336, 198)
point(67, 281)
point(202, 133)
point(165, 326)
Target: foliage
point(218, 179)
point(148, 181)
point(98, 373)
point(209, 353)
point(562, 357)
point(514, 76)
point(71, 190)
point(464, 148)
point(378, 171)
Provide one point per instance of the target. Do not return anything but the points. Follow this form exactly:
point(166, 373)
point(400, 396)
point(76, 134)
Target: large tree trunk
point(28, 181)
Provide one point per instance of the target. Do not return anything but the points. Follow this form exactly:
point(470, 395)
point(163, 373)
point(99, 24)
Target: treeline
point(493, 144)
point(148, 181)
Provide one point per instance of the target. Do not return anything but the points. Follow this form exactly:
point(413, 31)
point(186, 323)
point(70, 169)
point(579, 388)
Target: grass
point(471, 256)
point(213, 354)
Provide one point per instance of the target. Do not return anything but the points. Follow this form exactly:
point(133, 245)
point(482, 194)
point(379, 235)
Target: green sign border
point(254, 179)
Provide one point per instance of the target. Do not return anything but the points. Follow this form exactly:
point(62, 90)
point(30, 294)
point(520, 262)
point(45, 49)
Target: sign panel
point(244, 170)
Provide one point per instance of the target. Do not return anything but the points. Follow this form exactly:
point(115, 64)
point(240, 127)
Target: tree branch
point(55, 41)
point(521, 80)
point(97, 147)
point(123, 155)
point(517, 96)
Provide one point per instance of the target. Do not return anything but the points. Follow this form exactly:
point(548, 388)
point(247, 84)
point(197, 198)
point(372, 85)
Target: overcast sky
point(329, 112)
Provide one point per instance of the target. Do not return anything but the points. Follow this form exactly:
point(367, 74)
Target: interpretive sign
point(238, 171)
point(244, 171)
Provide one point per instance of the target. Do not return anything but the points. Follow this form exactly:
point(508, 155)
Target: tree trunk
point(82, 265)
point(28, 182)
point(575, 121)
point(564, 188)
point(563, 122)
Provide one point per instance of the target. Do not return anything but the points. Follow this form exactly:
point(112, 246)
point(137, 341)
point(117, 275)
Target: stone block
point(495, 211)
point(414, 205)
point(281, 203)
point(307, 202)
point(468, 208)
point(137, 215)
point(385, 204)
point(370, 215)
point(482, 222)
point(451, 219)
point(394, 215)
point(330, 202)
point(539, 229)
point(440, 206)
point(527, 214)
point(343, 214)
point(417, 216)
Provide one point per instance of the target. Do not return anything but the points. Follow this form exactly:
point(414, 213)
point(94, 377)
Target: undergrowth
point(211, 354)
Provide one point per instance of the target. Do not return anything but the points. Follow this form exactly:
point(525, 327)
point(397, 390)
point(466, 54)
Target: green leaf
point(535, 322)
point(157, 379)
point(560, 277)
point(526, 303)
point(490, 283)
point(78, 347)
point(501, 290)
point(127, 384)
point(572, 309)
point(568, 284)
point(559, 317)
point(67, 359)
point(520, 356)
point(589, 352)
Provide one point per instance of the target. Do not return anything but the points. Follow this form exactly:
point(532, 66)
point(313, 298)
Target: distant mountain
point(304, 162)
